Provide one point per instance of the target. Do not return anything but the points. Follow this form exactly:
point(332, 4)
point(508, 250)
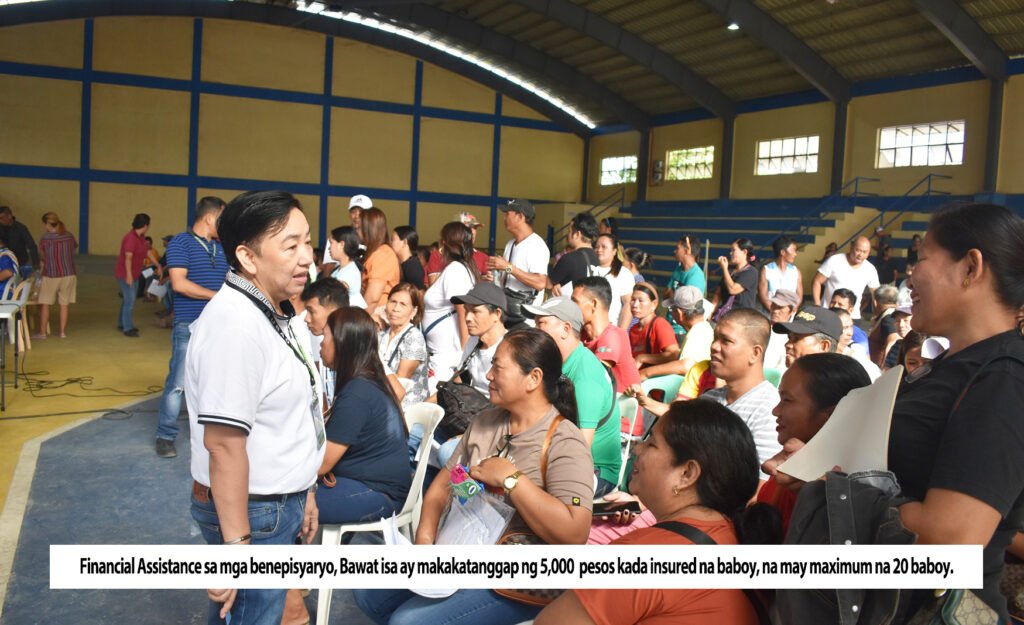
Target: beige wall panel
point(796, 121)
point(112, 207)
point(370, 149)
point(682, 136)
point(153, 46)
point(448, 90)
point(605, 146)
point(513, 108)
point(967, 101)
point(30, 199)
point(46, 43)
point(40, 121)
point(136, 129)
point(247, 138)
point(372, 73)
point(1011, 144)
point(540, 164)
point(259, 55)
point(455, 157)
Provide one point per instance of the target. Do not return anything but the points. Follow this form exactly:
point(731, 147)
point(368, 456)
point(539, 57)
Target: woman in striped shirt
point(57, 255)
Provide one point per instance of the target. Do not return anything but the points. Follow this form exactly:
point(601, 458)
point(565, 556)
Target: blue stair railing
point(889, 214)
point(616, 200)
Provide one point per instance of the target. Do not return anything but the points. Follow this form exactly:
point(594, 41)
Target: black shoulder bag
point(460, 401)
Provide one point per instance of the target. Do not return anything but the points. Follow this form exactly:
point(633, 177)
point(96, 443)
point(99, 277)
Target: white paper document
point(157, 290)
point(393, 537)
point(856, 436)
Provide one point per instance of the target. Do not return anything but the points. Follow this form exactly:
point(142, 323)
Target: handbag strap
point(544, 450)
point(699, 537)
point(437, 321)
point(465, 363)
point(504, 279)
point(611, 409)
point(391, 360)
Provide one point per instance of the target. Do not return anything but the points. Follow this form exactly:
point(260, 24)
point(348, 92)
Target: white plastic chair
point(627, 405)
point(406, 521)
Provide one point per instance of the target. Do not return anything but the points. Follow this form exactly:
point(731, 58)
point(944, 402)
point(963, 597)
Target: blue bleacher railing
point(615, 200)
point(905, 203)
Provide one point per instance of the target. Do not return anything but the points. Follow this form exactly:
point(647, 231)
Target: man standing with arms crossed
point(253, 397)
point(197, 266)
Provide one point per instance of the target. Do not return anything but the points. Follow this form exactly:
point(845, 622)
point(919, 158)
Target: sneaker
point(165, 448)
point(134, 332)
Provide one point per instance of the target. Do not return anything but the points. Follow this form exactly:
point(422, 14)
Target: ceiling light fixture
point(733, 26)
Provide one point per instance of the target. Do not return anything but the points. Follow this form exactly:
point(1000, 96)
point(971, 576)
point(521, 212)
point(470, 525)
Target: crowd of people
point(297, 368)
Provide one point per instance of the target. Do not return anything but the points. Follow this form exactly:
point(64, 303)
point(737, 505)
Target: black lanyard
point(211, 252)
point(246, 288)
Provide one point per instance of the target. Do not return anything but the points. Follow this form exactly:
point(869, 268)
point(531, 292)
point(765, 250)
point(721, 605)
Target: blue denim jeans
point(465, 607)
point(174, 386)
point(351, 501)
point(271, 523)
point(125, 320)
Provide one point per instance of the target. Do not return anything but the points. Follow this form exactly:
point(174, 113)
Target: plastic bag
point(479, 521)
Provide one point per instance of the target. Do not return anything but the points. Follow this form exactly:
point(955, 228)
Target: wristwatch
point(511, 482)
point(508, 269)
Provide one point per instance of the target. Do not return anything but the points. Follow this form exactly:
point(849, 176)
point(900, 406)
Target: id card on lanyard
point(314, 404)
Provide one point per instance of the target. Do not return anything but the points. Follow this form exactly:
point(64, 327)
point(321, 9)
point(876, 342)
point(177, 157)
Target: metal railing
point(905, 203)
point(616, 200)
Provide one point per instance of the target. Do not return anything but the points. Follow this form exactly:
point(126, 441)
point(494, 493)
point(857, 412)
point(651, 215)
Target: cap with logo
point(784, 297)
point(519, 206)
point(559, 307)
point(467, 220)
point(483, 293)
point(685, 298)
point(811, 320)
point(360, 201)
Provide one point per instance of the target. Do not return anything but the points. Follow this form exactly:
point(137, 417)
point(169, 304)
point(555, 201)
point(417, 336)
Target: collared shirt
point(755, 408)
point(134, 243)
point(206, 264)
point(240, 372)
point(58, 254)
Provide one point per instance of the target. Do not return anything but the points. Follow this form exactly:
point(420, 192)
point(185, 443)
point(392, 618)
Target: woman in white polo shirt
point(253, 396)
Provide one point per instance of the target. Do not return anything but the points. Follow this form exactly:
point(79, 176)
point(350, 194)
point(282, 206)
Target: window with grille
point(690, 164)
point(790, 155)
point(618, 170)
point(921, 145)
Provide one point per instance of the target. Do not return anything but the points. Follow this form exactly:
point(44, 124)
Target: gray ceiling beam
point(966, 34)
point(761, 27)
point(564, 77)
point(689, 82)
point(53, 10)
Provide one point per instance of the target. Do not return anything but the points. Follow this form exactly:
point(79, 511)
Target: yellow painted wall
point(371, 73)
point(40, 121)
point(47, 43)
point(259, 55)
point(604, 146)
point(161, 46)
point(30, 199)
point(678, 137)
point(112, 207)
point(1011, 144)
point(513, 108)
point(445, 89)
point(248, 138)
point(455, 157)
point(396, 211)
point(430, 218)
point(967, 101)
point(136, 129)
point(370, 149)
point(540, 163)
point(810, 119)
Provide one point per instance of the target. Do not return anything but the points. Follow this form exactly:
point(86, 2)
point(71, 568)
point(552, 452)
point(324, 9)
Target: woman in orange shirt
point(698, 468)
point(381, 270)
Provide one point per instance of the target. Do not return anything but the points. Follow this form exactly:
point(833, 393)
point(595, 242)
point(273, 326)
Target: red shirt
point(136, 244)
point(654, 338)
point(434, 262)
point(612, 347)
point(782, 499)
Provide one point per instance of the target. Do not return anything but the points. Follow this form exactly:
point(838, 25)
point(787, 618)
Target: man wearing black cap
point(813, 330)
point(485, 309)
point(522, 270)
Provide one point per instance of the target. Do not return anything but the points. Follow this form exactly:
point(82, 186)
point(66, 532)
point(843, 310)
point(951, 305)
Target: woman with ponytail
point(59, 285)
point(697, 467)
point(504, 448)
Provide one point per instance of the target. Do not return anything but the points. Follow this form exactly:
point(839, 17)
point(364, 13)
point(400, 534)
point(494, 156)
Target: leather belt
point(203, 494)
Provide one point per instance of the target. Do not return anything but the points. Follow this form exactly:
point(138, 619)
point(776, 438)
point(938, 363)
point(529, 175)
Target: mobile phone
point(608, 508)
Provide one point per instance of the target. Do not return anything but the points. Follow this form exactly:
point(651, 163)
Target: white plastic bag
point(480, 521)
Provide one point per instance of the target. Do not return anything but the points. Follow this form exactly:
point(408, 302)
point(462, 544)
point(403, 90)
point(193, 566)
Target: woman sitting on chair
point(365, 472)
point(534, 408)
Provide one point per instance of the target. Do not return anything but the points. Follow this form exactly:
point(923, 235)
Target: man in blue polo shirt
point(197, 266)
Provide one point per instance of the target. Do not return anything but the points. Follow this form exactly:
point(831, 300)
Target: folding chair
point(407, 520)
point(627, 405)
point(668, 383)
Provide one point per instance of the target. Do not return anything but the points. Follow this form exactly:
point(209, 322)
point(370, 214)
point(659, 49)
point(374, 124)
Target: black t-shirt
point(976, 449)
point(412, 272)
point(366, 419)
point(573, 267)
point(886, 270)
point(747, 278)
